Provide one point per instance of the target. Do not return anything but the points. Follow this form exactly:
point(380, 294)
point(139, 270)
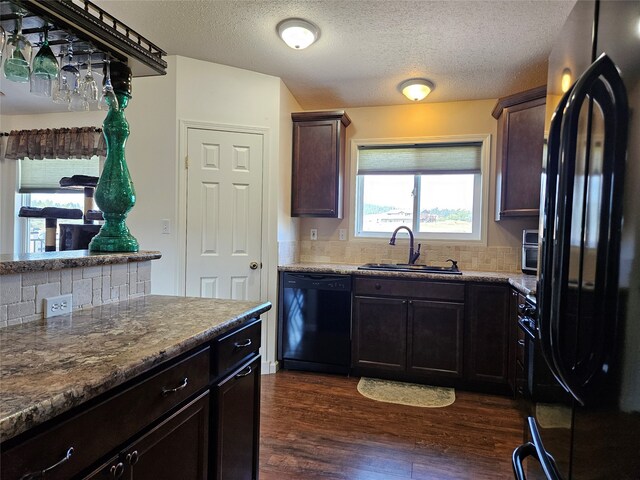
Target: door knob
point(253, 265)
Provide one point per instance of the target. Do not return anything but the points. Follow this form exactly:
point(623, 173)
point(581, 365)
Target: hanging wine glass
point(56, 95)
point(108, 98)
point(45, 69)
point(77, 102)
point(3, 37)
point(90, 90)
point(18, 55)
point(69, 77)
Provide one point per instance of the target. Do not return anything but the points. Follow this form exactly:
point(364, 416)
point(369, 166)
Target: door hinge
point(186, 162)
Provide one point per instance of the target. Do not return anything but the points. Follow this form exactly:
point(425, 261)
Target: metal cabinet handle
point(377, 286)
point(245, 373)
point(244, 344)
point(521, 342)
point(167, 391)
point(132, 457)
point(116, 471)
point(42, 473)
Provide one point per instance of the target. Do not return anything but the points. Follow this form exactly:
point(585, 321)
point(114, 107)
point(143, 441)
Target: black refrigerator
point(588, 294)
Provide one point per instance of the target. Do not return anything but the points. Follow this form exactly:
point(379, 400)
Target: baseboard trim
point(269, 368)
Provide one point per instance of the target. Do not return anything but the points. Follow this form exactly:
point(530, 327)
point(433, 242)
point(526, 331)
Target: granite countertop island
point(526, 284)
point(37, 262)
point(49, 366)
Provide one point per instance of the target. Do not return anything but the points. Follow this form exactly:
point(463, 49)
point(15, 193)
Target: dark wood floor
point(319, 427)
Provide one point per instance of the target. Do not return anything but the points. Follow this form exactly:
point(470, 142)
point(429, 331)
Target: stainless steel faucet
point(413, 256)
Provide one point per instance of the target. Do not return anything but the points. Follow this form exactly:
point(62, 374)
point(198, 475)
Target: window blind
point(44, 175)
point(420, 159)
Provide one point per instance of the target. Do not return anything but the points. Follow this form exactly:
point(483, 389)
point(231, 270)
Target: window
point(435, 188)
point(39, 187)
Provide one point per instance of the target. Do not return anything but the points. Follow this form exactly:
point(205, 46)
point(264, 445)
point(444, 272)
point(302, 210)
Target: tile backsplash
point(21, 294)
point(480, 258)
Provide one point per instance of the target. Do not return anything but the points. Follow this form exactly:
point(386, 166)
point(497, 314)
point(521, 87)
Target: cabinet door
point(316, 184)
point(379, 336)
point(236, 409)
point(520, 151)
point(435, 339)
point(488, 334)
point(175, 448)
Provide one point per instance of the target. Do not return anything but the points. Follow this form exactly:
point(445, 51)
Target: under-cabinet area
point(118, 392)
point(436, 329)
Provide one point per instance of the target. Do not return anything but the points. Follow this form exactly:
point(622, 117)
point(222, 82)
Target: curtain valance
point(81, 142)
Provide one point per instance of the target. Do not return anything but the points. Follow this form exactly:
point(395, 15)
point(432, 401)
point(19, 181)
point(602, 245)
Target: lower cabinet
point(488, 335)
point(418, 334)
point(236, 410)
point(435, 339)
point(379, 334)
point(445, 333)
point(161, 453)
point(192, 418)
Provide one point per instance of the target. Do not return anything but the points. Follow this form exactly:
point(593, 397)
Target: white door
point(224, 214)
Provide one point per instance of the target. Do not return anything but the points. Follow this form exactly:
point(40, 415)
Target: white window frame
point(481, 187)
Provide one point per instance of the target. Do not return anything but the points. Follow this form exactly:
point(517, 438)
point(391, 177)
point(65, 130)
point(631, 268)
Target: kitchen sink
point(405, 267)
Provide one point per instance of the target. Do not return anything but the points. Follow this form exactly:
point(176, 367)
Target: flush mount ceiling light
point(416, 89)
point(298, 33)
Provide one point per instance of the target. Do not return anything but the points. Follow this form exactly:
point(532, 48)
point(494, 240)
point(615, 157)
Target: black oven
point(539, 383)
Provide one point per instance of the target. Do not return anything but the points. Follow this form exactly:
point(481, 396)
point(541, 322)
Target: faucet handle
point(418, 249)
point(454, 264)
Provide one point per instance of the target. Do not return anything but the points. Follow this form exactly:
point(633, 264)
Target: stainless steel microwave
point(530, 251)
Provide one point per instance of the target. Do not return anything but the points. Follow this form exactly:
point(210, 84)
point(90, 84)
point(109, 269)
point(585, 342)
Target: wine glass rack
point(89, 28)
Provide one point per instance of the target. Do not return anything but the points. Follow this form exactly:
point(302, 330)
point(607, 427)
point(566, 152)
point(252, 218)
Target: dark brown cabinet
point(161, 453)
point(319, 140)
point(379, 335)
point(435, 338)
point(488, 335)
point(191, 418)
point(236, 407)
point(520, 145)
point(408, 330)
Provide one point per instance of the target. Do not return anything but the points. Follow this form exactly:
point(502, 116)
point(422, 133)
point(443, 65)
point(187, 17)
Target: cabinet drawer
point(102, 428)
point(235, 347)
point(409, 288)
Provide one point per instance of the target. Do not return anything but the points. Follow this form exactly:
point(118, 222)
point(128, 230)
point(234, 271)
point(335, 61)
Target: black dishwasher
point(315, 322)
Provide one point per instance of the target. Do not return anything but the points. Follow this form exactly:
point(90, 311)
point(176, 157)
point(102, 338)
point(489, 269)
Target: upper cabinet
point(519, 153)
point(319, 140)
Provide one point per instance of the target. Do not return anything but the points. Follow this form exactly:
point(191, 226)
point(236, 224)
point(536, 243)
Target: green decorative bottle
point(114, 193)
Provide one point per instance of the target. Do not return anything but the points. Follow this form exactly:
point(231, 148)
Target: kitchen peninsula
point(92, 393)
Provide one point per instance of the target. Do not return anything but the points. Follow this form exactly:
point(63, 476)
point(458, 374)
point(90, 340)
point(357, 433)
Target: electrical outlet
point(60, 305)
point(314, 234)
point(343, 233)
point(166, 226)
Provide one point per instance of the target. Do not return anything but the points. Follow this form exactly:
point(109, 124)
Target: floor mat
point(406, 393)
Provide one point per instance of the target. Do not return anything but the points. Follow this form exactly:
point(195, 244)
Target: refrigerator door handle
point(602, 81)
point(536, 450)
point(519, 454)
point(549, 218)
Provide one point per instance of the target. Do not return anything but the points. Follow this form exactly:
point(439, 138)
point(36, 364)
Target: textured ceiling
point(469, 49)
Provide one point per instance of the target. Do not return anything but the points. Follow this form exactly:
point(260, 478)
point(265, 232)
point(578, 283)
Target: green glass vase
point(114, 193)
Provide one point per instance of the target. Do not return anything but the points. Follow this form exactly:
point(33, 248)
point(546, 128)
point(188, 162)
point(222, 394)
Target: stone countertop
point(48, 367)
point(524, 283)
point(37, 262)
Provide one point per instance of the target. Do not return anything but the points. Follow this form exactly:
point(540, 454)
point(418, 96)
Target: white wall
point(151, 154)
point(287, 225)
